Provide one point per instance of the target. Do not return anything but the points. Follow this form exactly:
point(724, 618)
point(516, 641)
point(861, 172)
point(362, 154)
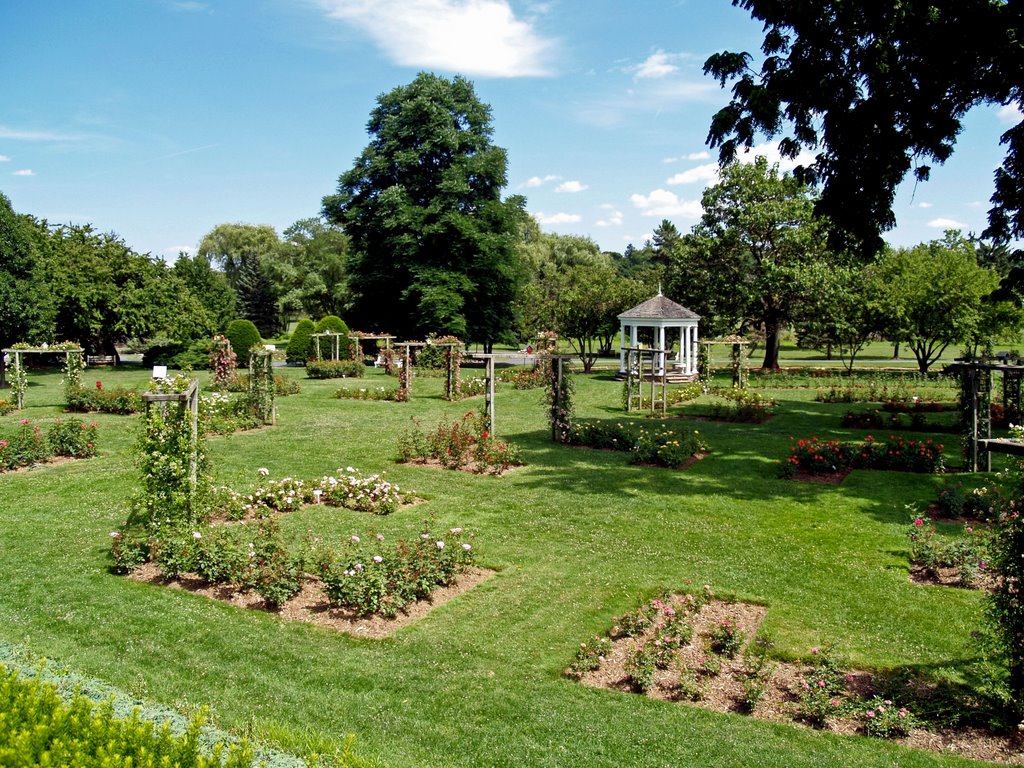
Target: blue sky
point(159, 119)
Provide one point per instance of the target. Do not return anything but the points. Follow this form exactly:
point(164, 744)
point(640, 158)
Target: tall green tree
point(257, 300)
point(228, 246)
point(104, 293)
point(433, 241)
point(24, 300)
point(209, 286)
point(750, 262)
point(878, 90)
point(934, 295)
point(309, 271)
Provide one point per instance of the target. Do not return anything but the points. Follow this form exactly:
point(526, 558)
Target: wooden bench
point(100, 360)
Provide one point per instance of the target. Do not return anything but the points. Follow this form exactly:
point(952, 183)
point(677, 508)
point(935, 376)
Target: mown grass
point(576, 537)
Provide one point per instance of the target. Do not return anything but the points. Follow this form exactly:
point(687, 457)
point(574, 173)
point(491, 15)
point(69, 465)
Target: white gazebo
point(666, 318)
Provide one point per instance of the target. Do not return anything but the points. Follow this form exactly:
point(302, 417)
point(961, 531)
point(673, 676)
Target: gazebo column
point(622, 347)
point(693, 346)
point(661, 345)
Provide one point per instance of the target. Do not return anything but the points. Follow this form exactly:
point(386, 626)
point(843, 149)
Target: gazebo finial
point(659, 287)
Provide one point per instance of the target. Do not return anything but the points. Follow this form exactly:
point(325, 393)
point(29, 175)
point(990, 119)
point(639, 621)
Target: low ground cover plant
point(71, 438)
point(463, 443)
point(743, 405)
point(817, 456)
point(662, 446)
point(40, 728)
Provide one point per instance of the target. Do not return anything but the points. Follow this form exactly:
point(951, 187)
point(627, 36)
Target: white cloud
point(24, 172)
point(976, 205)
point(13, 133)
point(1010, 113)
point(571, 187)
point(663, 203)
point(4, 159)
point(473, 37)
point(614, 218)
point(924, 205)
point(707, 173)
point(774, 157)
point(690, 156)
point(538, 181)
point(658, 64)
point(944, 223)
point(174, 250)
point(557, 218)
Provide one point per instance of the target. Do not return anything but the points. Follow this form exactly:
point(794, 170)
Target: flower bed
point(362, 576)
point(392, 394)
point(64, 438)
point(119, 400)
point(955, 561)
point(463, 444)
point(335, 369)
point(697, 649)
point(817, 456)
point(875, 419)
point(661, 446)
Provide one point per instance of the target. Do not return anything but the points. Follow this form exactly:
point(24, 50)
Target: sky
point(160, 119)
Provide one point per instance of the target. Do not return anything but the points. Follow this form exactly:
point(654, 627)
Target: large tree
point(103, 292)
point(309, 269)
point(209, 286)
point(934, 294)
point(24, 301)
point(228, 246)
point(878, 90)
point(752, 260)
point(433, 241)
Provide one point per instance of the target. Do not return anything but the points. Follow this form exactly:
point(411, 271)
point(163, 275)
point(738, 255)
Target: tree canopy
point(433, 242)
point(753, 259)
point(877, 90)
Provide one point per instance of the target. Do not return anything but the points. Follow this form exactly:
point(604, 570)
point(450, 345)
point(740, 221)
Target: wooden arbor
point(187, 403)
point(333, 342)
point(976, 410)
point(19, 381)
point(643, 365)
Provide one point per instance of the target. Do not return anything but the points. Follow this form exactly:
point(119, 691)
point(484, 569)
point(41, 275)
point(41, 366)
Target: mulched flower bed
point(719, 685)
point(311, 605)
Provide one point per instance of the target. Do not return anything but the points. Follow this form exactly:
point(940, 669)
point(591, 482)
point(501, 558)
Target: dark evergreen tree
point(256, 298)
point(433, 241)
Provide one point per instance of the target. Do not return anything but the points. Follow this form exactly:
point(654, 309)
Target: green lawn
point(576, 536)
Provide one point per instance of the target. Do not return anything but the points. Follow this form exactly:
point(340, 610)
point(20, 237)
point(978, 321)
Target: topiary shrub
point(333, 324)
point(300, 345)
point(243, 336)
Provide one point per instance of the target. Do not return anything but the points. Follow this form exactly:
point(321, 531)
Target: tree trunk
point(772, 342)
point(896, 351)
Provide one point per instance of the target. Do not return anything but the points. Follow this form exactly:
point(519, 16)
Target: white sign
point(159, 371)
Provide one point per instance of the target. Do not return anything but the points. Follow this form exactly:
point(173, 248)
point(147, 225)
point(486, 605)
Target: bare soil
point(724, 692)
point(311, 604)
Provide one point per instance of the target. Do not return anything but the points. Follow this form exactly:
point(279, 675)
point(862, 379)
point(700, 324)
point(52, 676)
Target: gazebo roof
point(659, 308)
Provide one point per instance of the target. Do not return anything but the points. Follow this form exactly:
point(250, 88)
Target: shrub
point(300, 345)
point(42, 729)
point(120, 400)
point(726, 638)
point(463, 443)
point(589, 656)
point(885, 720)
point(821, 689)
point(335, 369)
point(661, 446)
point(243, 336)
point(369, 393)
point(7, 407)
point(373, 578)
point(640, 666)
point(73, 438)
point(897, 453)
point(28, 445)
